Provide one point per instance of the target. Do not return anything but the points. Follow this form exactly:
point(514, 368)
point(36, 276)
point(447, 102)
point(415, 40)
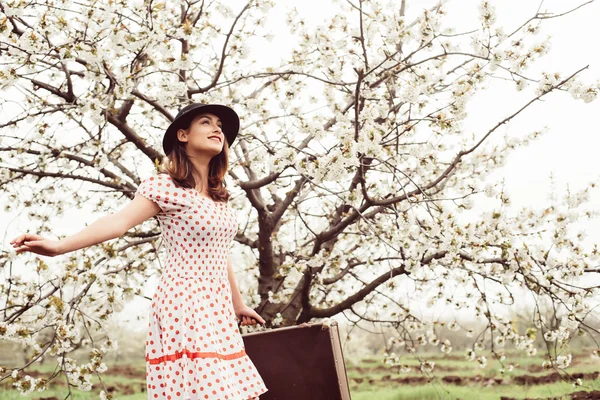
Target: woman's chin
point(212, 149)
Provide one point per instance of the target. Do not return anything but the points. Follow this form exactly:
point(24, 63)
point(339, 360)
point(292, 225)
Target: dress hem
point(257, 396)
point(251, 396)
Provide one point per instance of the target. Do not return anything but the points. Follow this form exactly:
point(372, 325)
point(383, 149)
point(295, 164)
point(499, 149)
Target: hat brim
point(229, 120)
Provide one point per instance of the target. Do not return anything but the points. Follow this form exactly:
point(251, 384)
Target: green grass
point(451, 392)
point(60, 394)
point(381, 389)
point(378, 389)
point(462, 367)
point(60, 391)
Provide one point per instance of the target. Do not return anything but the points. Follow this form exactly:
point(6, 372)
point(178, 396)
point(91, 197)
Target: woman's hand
point(247, 315)
point(36, 244)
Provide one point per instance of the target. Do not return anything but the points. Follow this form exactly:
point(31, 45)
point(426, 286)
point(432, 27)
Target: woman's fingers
point(250, 317)
point(32, 245)
point(19, 240)
point(22, 248)
point(248, 321)
point(257, 318)
point(38, 245)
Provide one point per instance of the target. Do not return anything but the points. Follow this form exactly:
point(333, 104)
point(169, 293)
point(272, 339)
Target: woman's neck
point(200, 173)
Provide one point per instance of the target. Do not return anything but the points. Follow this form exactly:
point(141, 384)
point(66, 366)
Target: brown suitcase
point(303, 362)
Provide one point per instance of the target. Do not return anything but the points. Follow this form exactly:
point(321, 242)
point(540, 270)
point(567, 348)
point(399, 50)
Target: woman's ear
point(182, 135)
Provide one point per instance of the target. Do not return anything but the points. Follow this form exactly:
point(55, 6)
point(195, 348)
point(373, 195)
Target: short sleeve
point(157, 188)
point(146, 188)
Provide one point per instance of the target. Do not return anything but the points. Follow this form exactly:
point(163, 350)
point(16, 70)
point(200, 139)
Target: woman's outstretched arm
point(105, 228)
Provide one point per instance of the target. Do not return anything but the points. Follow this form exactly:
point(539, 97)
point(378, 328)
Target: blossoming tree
point(353, 178)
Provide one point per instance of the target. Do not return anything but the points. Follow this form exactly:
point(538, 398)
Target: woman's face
point(204, 135)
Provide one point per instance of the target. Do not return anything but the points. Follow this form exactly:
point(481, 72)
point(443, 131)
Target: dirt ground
point(127, 371)
point(478, 379)
point(117, 388)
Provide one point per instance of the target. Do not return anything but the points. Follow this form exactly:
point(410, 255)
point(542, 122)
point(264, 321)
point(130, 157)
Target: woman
point(193, 348)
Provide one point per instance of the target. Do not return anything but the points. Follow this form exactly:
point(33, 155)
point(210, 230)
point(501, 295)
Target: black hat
point(229, 120)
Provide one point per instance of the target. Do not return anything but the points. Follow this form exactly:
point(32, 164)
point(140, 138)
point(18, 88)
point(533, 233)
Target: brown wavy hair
point(179, 167)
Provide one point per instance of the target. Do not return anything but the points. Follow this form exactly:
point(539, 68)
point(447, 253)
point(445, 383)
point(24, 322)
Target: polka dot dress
point(194, 349)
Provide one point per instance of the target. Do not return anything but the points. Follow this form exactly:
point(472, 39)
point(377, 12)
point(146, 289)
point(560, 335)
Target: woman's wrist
point(61, 247)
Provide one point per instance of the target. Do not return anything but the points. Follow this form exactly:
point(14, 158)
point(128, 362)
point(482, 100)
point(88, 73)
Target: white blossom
point(563, 362)
point(427, 366)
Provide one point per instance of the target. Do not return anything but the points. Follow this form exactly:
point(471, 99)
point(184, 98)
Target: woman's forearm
point(236, 296)
point(100, 231)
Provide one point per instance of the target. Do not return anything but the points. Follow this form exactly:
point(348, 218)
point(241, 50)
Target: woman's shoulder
point(161, 179)
point(164, 183)
point(160, 188)
point(156, 177)
point(159, 183)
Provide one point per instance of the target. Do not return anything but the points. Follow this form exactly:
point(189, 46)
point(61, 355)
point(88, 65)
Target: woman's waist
point(175, 273)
